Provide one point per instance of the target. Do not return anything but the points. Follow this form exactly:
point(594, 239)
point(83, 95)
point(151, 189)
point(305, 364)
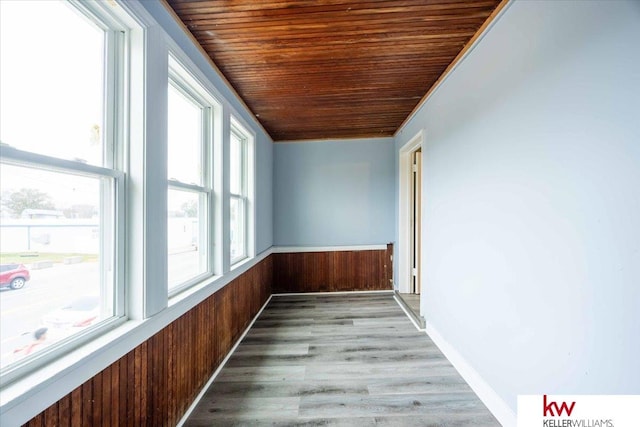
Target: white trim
point(382, 139)
point(301, 249)
point(19, 157)
point(485, 392)
point(217, 371)
point(181, 186)
point(384, 291)
point(403, 259)
point(247, 138)
point(395, 297)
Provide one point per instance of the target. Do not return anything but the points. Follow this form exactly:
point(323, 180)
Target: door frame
point(405, 161)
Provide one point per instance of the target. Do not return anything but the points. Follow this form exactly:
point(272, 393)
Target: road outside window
point(51, 258)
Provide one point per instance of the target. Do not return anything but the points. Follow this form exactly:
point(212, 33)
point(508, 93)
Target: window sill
point(240, 262)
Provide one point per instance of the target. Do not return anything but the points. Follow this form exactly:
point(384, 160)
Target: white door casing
point(405, 208)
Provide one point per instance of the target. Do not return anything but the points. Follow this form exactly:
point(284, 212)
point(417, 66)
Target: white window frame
point(247, 176)
point(182, 80)
point(143, 303)
point(116, 81)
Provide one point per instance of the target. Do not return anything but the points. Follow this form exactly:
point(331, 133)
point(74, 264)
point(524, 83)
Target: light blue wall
point(264, 194)
point(532, 201)
point(332, 193)
point(231, 104)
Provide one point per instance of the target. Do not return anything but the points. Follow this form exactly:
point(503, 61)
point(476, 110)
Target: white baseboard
point(302, 249)
point(485, 392)
point(401, 305)
point(288, 294)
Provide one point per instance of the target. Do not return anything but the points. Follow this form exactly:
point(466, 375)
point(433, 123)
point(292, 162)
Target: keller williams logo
point(578, 410)
point(548, 408)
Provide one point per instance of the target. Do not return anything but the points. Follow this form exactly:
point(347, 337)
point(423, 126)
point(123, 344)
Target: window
point(190, 141)
point(61, 178)
point(239, 189)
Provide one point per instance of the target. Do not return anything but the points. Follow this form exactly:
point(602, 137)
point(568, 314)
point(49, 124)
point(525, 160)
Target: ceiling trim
point(215, 68)
point(456, 61)
point(340, 140)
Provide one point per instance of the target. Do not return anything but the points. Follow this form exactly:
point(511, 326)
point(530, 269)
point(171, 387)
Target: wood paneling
point(154, 384)
point(332, 271)
point(332, 68)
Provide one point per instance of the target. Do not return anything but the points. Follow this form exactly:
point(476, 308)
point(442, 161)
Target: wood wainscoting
point(155, 383)
point(333, 271)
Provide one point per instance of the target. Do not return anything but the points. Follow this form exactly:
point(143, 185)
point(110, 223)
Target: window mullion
point(240, 170)
point(188, 187)
point(14, 156)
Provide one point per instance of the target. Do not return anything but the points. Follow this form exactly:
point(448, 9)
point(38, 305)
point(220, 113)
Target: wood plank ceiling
point(332, 69)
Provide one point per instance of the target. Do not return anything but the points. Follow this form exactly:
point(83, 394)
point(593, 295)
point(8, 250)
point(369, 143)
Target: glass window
point(238, 241)
point(238, 188)
point(52, 81)
point(185, 138)
point(61, 189)
point(190, 122)
point(237, 164)
point(187, 259)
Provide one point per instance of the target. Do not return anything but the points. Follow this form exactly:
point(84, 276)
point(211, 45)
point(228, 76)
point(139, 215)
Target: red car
point(13, 276)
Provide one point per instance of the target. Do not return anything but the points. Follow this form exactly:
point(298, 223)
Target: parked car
point(14, 276)
point(81, 312)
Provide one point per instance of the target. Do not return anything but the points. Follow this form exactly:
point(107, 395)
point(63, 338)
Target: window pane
point(56, 254)
point(238, 250)
point(185, 138)
point(187, 245)
point(51, 80)
point(235, 164)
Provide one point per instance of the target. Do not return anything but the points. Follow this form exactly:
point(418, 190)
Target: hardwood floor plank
point(439, 420)
point(378, 370)
point(243, 408)
point(262, 373)
point(451, 383)
point(287, 388)
point(362, 406)
point(372, 346)
point(321, 358)
point(289, 331)
point(272, 350)
point(276, 323)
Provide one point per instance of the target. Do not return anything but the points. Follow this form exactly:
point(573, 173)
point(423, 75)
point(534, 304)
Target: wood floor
point(343, 360)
